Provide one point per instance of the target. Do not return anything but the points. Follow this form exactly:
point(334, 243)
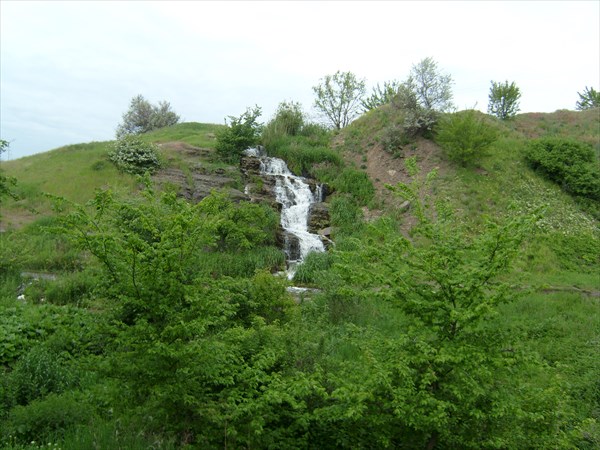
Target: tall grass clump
point(243, 263)
point(313, 265)
point(345, 214)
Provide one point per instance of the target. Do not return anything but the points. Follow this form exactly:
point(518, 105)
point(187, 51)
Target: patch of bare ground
point(182, 149)
point(386, 169)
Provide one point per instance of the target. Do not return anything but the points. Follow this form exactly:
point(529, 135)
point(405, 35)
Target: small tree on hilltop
point(504, 100)
point(381, 95)
point(432, 88)
point(142, 117)
point(588, 100)
point(338, 97)
point(243, 132)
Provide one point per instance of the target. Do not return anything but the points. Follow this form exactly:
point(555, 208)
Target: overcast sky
point(68, 70)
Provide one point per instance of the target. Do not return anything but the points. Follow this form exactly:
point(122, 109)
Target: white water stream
point(295, 198)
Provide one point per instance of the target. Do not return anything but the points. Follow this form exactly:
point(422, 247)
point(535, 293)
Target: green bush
point(39, 373)
point(242, 133)
point(465, 136)
point(132, 155)
point(569, 163)
point(43, 419)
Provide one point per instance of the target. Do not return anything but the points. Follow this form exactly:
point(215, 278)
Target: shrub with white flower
point(132, 155)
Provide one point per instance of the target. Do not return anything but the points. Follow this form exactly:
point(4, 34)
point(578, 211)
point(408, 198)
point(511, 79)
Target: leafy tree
point(590, 98)
point(6, 183)
point(142, 117)
point(451, 381)
point(338, 97)
point(432, 88)
point(242, 133)
point(381, 95)
point(132, 155)
point(194, 348)
point(504, 100)
point(465, 136)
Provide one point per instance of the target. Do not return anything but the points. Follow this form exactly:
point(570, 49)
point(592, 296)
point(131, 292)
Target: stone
point(318, 217)
point(404, 206)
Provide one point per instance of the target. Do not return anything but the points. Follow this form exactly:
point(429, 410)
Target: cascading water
point(295, 198)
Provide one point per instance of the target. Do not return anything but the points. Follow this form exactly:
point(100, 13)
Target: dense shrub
point(243, 132)
point(569, 163)
point(45, 418)
point(132, 155)
point(465, 136)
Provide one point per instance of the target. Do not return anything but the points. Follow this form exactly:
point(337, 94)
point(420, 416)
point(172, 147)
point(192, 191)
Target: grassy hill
point(76, 171)
point(186, 340)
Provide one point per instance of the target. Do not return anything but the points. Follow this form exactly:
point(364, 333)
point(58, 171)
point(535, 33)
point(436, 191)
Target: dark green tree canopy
point(504, 100)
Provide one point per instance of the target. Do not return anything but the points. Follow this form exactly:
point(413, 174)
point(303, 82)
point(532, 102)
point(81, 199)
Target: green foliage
point(504, 100)
point(356, 183)
point(151, 249)
point(47, 418)
point(313, 265)
point(465, 136)
point(288, 121)
point(453, 382)
point(589, 99)
point(381, 95)
point(302, 153)
point(39, 373)
point(571, 164)
point(132, 155)
point(242, 133)
point(338, 98)
point(578, 252)
point(6, 183)
point(345, 213)
point(143, 117)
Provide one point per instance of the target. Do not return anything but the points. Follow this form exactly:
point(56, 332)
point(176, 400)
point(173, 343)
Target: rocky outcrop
point(318, 217)
point(199, 184)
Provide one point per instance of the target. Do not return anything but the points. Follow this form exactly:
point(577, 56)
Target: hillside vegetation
point(458, 307)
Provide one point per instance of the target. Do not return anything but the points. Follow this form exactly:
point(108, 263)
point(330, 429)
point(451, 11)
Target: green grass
point(193, 133)
point(76, 171)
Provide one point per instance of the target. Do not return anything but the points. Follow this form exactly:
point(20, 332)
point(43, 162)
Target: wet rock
point(318, 217)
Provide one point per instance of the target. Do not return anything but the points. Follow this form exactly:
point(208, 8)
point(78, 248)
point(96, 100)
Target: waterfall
point(295, 198)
